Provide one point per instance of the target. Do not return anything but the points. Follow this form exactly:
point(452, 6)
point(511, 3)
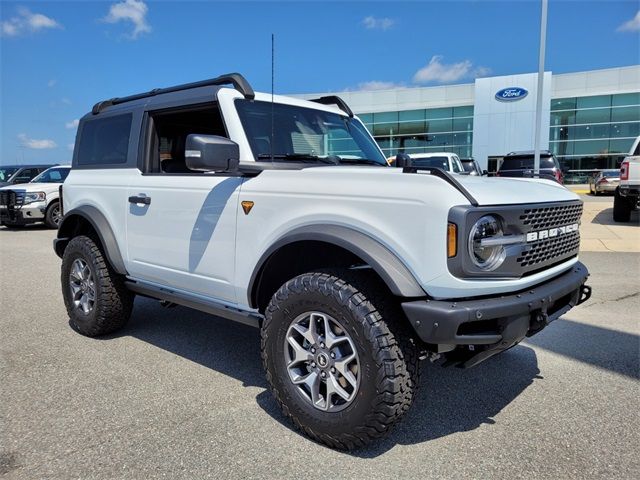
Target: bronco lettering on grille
point(551, 232)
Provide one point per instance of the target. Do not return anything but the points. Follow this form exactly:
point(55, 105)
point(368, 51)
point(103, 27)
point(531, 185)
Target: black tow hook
point(585, 294)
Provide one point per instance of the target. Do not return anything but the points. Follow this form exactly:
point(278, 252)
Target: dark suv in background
point(520, 164)
point(16, 174)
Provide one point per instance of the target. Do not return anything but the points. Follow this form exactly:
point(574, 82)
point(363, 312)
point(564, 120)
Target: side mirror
point(211, 153)
point(485, 173)
point(403, 160)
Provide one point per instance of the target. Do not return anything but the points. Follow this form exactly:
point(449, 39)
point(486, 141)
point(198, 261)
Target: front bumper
point(490, 325)
point(30, 213)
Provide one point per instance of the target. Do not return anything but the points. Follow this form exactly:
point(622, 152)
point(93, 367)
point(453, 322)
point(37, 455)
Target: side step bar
point(159, 293)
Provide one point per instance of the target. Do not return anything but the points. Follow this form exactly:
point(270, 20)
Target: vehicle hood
point(34, 187)
point(422, 186)
point(499, 191)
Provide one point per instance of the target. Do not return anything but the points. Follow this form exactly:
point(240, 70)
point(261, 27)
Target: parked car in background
point(473, 167)
point(605, 181)
point(36, 201)
point(520, 164)
point(445, 160)
point(16, 174)
point(627, 195)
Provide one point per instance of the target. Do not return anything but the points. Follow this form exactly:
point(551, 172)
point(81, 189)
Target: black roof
point(529, 153)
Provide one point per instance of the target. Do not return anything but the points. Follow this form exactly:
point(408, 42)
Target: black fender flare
point(102, 227)
point(383, 261)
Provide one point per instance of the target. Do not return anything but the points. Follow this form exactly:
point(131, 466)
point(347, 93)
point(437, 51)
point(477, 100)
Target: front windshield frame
point(64, 172)
point(319, 123)
point(6, 173)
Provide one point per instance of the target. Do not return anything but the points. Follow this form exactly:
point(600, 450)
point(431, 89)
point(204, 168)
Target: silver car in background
point(605, 181)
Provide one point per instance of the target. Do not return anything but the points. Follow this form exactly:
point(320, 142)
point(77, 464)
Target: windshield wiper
point(296, 156)
point(364, 161)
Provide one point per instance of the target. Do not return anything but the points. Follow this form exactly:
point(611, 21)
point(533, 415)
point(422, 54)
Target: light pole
point(538, 128)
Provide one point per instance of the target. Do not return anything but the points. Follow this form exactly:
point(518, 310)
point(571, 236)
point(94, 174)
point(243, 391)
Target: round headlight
point(487, 257)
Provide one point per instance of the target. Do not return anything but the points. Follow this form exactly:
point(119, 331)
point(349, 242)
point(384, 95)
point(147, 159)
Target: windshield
point(306, 134)
point(6, 173)
point(432, 162)
point(468, 165)
point(53, 175)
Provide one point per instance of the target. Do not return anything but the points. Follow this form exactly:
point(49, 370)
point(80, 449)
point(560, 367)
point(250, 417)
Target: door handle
point(140, 199)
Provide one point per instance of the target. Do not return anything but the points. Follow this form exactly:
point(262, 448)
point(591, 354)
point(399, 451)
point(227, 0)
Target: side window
point(25, 175)
point(636, 152)
point(455, 164)
point(105, 141)
point(169, 135)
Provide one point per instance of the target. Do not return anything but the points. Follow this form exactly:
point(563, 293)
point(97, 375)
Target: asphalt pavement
point(180, 394)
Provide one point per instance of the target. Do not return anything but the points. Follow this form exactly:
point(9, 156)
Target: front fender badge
point(247, 205)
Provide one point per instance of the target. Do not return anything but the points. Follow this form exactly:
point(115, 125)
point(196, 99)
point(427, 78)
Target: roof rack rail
point(237, 80)
point(334, 100)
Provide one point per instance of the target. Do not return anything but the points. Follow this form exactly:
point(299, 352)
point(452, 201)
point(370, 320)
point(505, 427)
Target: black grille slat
point(11, 198)
point(550, 249)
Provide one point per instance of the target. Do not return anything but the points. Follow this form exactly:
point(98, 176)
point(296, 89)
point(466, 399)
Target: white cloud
point(72, 124)
point(52, 83)
point(632, 25)
point(134, 11)
point(35, 143)
point(437, 72)
point(27, 22)
point(374, 23)
point(70, 146)
point(378, 85)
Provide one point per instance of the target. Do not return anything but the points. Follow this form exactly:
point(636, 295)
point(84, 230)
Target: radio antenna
point(272, 88)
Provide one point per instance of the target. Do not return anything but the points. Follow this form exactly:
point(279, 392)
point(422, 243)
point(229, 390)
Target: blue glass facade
point(447, 129)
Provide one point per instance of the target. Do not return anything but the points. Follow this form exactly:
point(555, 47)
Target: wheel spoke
point(313, 326)
point(300, 354)
point(305, 332)
point(333, 387)
point(84, 303)
point(342, 366)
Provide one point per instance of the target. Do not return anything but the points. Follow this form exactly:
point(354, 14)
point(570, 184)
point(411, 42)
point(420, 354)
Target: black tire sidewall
point(354, 415)
point(48, 218)
point(80, 248)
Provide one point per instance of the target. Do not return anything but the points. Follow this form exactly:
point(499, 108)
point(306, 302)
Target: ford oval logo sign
point(511, 94)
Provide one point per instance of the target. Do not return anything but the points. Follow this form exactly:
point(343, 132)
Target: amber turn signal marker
point(452, 240)
point(247, 205)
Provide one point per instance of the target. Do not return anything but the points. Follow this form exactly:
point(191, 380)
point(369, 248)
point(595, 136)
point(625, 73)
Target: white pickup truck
point(33, 202)
point(627, 195)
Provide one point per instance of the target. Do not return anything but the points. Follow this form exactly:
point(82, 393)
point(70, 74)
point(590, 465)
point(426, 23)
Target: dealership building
point(589, 119)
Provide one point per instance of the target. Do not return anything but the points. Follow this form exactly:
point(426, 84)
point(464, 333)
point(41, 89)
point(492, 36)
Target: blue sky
point(58, 58)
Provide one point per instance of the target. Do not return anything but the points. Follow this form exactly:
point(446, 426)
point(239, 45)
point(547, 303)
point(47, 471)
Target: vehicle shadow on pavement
point(449, 400)
point(605, 217)
point(593, 345)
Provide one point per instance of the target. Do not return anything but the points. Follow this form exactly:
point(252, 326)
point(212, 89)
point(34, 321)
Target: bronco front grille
point(557, 245)
point(552, 216)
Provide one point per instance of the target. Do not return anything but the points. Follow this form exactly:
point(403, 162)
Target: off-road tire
point(49, 216)
point(389, 357)
point(621, 207)
point(113, 301)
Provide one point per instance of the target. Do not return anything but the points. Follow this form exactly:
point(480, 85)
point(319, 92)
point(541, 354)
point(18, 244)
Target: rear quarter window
point(105, 141)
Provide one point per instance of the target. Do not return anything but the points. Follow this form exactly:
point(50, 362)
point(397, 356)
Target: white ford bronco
point(284, 214)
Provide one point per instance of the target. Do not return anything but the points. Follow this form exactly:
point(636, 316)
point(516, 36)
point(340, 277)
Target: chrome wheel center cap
point(322, 360)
